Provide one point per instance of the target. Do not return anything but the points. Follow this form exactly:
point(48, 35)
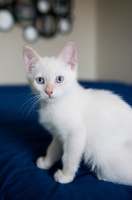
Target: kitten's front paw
point(62, 178)
point(42, 163)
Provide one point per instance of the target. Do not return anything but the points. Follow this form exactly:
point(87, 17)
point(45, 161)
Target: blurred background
point(101, 30)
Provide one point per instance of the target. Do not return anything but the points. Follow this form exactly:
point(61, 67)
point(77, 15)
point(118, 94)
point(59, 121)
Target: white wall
point(102, 31)
point(12, 69)
point(114, 40)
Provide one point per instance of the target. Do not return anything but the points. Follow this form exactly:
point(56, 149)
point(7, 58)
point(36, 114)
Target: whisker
point(31, 101)
point(27, 102)
point(33, 106)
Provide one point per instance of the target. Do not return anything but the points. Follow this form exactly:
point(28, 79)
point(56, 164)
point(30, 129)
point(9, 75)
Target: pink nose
point(49, 92)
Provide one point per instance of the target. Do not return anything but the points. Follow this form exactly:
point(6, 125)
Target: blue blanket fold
point(23, 140)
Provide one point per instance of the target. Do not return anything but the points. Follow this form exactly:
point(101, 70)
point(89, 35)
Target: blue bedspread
point(23, 140)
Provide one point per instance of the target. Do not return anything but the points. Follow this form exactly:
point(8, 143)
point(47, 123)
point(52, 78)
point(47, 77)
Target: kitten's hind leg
point(100, 176)
point(53, 154)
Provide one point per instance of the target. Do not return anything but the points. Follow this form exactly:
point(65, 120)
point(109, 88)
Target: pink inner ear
point(27, 61)
point(30, 58)
point(69, 55)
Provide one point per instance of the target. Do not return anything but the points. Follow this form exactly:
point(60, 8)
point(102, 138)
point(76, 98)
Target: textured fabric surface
point(23, 140)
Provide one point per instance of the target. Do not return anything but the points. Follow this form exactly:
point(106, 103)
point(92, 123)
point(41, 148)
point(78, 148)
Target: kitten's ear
point(30, 58)
point(69, 55)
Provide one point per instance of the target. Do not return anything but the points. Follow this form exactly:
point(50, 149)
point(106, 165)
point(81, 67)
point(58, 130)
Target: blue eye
point(59, 79)
point(40, 80)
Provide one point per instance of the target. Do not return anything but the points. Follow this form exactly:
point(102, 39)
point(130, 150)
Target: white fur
point(94, 125)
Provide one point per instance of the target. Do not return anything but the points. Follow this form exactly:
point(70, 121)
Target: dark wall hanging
point(43, 18)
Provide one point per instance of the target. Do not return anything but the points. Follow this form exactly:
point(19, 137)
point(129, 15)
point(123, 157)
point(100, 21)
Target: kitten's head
point(51, 77)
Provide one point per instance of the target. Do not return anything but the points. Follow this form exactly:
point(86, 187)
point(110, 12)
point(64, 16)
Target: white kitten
point(93, 125)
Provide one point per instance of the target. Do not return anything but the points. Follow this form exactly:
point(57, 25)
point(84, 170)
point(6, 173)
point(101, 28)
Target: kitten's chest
point(46, 117)
point(52, 119)
point(58, 118)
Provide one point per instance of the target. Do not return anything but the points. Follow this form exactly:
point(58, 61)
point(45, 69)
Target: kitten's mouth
point(50, 98)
